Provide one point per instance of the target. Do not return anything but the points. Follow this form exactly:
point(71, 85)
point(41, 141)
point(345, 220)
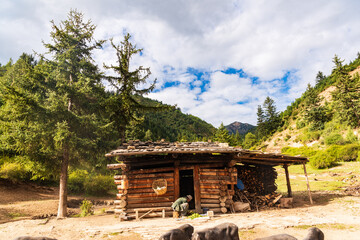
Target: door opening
point(187, 185)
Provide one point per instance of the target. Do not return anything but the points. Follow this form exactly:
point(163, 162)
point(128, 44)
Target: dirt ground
point(337, 214)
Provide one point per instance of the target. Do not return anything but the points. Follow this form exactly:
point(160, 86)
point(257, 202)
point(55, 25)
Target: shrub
point(86, 208)
point(99, 185)
point(322, 160)
point(76, 181)
point(351, 137)
point(349, 153)
point(304, 151)
point(300, 124)
point(13, 171)
point(334, 138)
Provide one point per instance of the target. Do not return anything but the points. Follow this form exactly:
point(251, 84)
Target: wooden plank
point(197, 189)
point(146, 185)
point(146, 205)
point(207, 185)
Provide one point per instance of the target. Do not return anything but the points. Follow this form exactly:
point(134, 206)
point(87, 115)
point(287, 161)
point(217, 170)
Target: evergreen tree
point(249, 141)
point(320, 77)
point(124, 105)
point(52, 109)
point(261, 125)
point(315, 113)
point(222, 135)
point(347, 94)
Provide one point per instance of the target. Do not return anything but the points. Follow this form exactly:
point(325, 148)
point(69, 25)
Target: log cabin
point(152, 175)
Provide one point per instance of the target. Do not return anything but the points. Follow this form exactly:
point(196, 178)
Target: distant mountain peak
point(240, 127)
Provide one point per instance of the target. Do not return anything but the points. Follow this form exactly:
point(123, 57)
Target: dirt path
point(338, 216)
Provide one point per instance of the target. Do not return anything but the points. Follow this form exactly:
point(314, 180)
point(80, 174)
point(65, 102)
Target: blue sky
point(215, 59)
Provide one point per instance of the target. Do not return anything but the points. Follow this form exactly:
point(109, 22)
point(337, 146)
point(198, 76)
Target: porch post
point(287, 180)
point(197, 189)
point(308, 185)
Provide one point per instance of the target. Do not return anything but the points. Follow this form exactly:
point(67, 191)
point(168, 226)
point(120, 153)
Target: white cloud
point(266, 39)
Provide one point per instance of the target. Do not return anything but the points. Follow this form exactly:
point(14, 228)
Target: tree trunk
point(62, 210)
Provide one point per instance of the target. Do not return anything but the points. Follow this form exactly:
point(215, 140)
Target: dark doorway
point(187, 185)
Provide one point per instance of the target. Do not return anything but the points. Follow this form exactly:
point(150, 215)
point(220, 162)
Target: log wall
point(214, 188)
point(135, 190)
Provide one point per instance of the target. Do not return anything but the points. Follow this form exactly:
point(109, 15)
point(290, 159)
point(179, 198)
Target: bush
point(99, 185)
point(13, 171)
point(349, 153)
point(300, 124)
point(76, 181)
point(86, 208)
point(301, 151)
point(334, 138)
point(322, 160)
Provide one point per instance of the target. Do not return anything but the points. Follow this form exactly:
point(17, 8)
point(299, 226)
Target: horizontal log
point(151, 175)
point(210, 190)
point(208, 186)
point(211, 177)
point(213, 196)
point(152, 170)
point(147, 190)
point(145, 180)
point(215, 210)
point(147, 195)
point(209, 200)
point(120, 177)
point(150, 200)
point(147, 185)
point(147, 205)
point(210, 205)
point(217, 181)
point(120, 203)
point(117, 166)
point(217, 173)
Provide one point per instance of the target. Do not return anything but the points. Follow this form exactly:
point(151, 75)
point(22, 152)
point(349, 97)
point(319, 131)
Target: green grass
point(339, 226)
point(16, 215)
point(319, 179)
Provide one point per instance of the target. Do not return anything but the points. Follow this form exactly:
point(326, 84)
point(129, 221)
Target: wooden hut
point(152, 175)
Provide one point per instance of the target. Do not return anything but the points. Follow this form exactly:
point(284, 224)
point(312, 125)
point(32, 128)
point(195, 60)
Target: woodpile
point(217, 188)
point(258, 179)
point(257, 201)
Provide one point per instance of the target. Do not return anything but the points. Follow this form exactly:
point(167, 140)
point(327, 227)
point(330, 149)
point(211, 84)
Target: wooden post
point(197, 189)
point(308, 185)
point(287, 180)
point(176, 181)
point(163, 213)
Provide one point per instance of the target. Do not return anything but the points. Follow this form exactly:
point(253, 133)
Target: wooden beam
point(308, 185)
point(287, 180)
point(197, 189)
point(176, 182)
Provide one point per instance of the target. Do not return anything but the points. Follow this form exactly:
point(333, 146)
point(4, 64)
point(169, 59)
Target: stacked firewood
point(259, 180)
point(214, 189)
point(256, 201)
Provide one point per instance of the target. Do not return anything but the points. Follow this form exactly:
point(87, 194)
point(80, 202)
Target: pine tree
point(347, 94)
point(222, 135)
point(315, 113)
point(124, 105)
point(51, 109)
